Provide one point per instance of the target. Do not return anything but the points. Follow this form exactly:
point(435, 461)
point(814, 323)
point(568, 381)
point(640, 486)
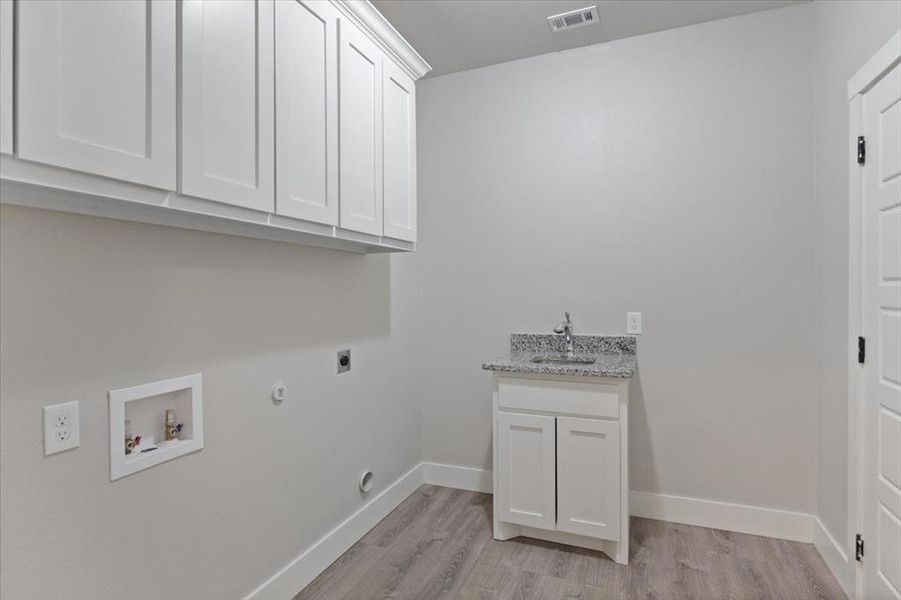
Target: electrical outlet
point(633, 323)
point(60, 427)
point(343, 361)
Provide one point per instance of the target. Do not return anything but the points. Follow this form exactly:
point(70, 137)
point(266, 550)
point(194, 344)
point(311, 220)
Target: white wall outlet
point(633, 323)
point(60, 427)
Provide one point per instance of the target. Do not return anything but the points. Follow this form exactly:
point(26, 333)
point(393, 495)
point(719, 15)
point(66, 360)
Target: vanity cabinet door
point(360, 130)
point(227, 102)
point(588, 477)
point(96, 87)
point(525, 462)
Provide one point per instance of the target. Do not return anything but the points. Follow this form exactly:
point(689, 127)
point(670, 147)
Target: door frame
point(871, 72)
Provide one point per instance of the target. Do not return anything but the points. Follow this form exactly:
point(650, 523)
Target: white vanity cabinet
point(289, 120)
point(561, 461)
point(96, 88)
point(227, 106)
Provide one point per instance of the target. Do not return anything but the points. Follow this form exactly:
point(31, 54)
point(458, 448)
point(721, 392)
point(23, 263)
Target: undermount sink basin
point(564, 360)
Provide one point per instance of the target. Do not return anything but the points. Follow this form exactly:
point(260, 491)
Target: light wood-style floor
point(438, 544)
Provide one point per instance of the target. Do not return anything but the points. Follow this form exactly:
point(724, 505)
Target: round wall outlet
point(366, 481)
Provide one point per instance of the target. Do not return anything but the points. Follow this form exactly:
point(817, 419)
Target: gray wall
point(847, 35)
point(89, 305)
point(669, 174)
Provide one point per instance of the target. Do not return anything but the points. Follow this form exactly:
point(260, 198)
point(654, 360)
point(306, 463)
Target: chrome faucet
point(566, 328)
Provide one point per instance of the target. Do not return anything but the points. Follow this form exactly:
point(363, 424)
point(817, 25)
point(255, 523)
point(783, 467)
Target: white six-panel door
point(306, 38)
point(588, 477)
point(227, 141)
point(399, 97)
point(96, 87)
point(882, 329)
point(525, 462)
point(360, 171)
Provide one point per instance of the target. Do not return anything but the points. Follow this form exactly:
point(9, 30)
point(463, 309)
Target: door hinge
point(861, 150)
point(861, 349)
point(859, 546)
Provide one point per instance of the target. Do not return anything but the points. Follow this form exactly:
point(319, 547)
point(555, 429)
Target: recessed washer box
point(145, 406)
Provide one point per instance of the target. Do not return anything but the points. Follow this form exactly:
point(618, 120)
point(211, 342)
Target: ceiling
point(455, 35)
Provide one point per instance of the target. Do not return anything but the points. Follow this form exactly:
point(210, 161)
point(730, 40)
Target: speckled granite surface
point(614, 355)
point(544, 343)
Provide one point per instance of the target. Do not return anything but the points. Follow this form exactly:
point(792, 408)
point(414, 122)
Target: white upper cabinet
point(292, 120)
point(6, 76)
point(360, 83)
point(96, 87)
point(306, 104)
point(399, 147)
point(227, 78)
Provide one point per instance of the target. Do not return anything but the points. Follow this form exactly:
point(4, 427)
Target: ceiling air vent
point(574, 18)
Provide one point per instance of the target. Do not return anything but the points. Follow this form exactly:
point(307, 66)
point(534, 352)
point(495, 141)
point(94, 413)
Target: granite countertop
point(615, 356)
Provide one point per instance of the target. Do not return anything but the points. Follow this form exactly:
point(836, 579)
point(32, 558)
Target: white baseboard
point(454, 476)
point(834, 556)
point(294, 576)
point(742, 518)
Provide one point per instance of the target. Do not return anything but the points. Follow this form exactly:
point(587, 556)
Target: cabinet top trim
point(598, 381)
point(368, 18)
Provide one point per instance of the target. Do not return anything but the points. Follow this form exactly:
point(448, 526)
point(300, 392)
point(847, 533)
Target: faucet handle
point(562, 325)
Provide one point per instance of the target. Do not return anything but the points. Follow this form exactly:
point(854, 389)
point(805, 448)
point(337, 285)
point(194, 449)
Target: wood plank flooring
point(438, 544)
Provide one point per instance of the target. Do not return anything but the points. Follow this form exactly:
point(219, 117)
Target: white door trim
point(884, 60)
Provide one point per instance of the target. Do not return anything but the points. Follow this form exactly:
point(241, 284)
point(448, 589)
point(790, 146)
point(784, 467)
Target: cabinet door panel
point(96, 88)
point(227, 102)
point(525, 461)
point(399, 97)
point(6, 76)
point(360, 122)
point(306, 100)
point(588, 477)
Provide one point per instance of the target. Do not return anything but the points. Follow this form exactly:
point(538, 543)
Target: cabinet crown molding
point(368, 18)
